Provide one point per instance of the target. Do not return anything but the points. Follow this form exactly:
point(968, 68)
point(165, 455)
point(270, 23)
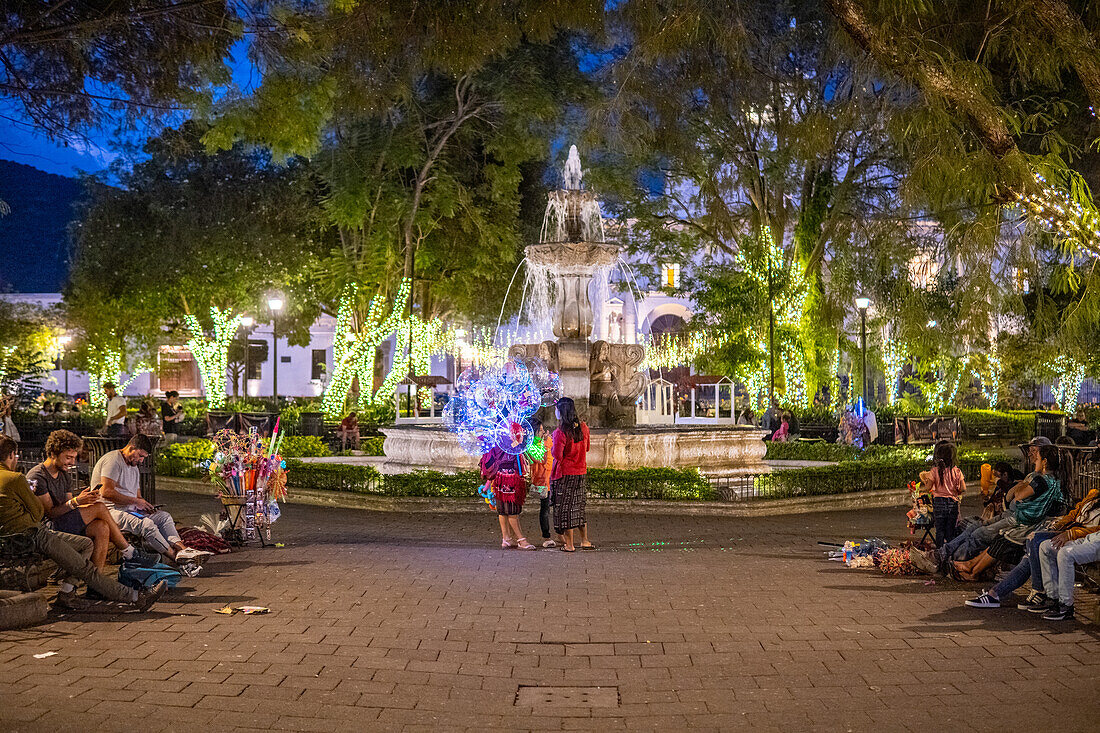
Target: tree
point(422, 123)
point(748, 120)
point(203, 238)
point(27, 342)
point(67, 67)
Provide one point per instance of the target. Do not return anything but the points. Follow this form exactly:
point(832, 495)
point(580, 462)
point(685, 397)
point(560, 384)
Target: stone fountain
point(602, 378)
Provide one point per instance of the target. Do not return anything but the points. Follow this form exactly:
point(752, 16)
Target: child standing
point(540, 479)
point(946, 484)
point(504, 472)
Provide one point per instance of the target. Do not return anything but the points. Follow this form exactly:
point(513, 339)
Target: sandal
point(589, 546)
point(566, 549)
point(549, 543)
point(525, 545)
point(507, 545)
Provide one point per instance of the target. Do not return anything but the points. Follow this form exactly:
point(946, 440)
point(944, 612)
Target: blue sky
point(96, 150)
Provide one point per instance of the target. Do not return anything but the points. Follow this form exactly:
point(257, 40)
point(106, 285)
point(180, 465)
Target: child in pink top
point(947, 486)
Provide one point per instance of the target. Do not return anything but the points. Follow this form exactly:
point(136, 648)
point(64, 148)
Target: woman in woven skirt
point(569, 479)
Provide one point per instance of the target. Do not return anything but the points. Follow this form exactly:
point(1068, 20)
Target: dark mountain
point(34, 244)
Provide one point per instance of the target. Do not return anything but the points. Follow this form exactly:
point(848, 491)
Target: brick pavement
point(418, 622)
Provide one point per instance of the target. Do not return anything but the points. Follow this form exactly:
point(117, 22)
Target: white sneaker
point(190, 569)
point(549, 543)
point(190, 553)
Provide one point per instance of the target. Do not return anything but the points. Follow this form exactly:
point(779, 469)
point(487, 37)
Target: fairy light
point(991, 387)
point(1070, 375)
point(5, 358)
point(212, 354)
point(893, 358)
point(350, 355)
point(1059, 214)
point(834, 379)
point(107, 366)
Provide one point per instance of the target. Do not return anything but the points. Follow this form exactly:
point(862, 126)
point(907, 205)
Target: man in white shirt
point(118, 473)
point(116, 412)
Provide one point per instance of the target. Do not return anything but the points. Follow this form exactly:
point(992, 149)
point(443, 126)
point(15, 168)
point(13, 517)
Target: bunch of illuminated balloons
point(493, 405)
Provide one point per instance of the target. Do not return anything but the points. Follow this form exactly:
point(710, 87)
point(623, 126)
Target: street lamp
point(247, 321)
point(863, 304)
point(62, 341)
point(275, 303)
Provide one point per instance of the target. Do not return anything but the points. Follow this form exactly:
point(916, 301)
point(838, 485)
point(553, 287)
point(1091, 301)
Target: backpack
point(138, 577)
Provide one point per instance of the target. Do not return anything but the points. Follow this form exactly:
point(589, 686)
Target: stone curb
point(754, 508)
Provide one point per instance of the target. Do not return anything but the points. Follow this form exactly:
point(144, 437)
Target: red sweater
point(570, 457)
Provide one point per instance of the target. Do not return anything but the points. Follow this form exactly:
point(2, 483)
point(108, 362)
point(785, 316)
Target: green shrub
point(669, 484)
point(372, 445)
point(332, 477)
point(799, 451)
point(303, 446)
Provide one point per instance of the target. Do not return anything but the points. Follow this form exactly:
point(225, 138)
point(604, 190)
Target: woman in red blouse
point(569, 479)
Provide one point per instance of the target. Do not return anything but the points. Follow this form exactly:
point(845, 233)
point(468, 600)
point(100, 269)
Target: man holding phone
point(118, 473)
point(21, 512)
point(85, 514)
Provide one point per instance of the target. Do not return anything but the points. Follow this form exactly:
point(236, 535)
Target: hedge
point(667, 484)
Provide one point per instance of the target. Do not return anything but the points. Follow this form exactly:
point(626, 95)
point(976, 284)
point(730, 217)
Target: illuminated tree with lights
point(212, 354)
point(353, 347)
point(106, 364)
point(1071, 373)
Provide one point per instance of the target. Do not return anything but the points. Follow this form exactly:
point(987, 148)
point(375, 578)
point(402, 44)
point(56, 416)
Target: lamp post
point(275, 303)
point(863, 304)
point(62, 341)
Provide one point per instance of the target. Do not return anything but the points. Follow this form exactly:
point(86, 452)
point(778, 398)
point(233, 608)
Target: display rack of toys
point(250, 476)
point(920, 516)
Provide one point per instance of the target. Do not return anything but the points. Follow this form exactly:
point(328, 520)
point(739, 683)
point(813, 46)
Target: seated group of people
point(1027, 525)
point(76, 532)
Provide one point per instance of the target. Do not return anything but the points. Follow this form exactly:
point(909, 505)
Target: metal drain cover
point(570, 697)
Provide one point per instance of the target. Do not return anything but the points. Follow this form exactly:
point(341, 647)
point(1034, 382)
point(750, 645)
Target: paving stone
point(387, 624)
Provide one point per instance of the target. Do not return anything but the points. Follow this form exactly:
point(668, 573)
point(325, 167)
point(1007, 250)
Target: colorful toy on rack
point(249, 472)
point(493, 405)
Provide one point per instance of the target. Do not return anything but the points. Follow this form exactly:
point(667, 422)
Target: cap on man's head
point(1040, 440)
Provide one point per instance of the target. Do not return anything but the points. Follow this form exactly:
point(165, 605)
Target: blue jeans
point(945, 518)
point(1028, 567)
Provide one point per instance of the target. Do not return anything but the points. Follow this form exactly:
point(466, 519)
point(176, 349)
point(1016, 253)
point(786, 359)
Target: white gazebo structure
point(710, 402)
point(407, 400)
point(657, 404)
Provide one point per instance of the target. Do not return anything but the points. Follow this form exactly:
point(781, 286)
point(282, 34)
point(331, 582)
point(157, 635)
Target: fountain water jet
point(602, 378)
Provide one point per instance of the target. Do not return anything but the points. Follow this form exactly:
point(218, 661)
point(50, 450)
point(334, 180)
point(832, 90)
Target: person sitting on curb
point(84, 514)
point(22, 512)
point(118, 472)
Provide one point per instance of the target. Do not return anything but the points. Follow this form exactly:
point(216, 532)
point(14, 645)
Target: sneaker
point(190, 569)
point(1035, 599)
point(1042, 605)
point(70, 601)
point(1059, 613)
point(147, 597)
point(190, 553)
point(984, 601)
point(549, 543)
point(144, 559)
point(923, 561)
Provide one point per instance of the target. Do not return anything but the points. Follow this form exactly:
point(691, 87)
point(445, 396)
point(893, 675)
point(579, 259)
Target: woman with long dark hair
point(569, 479)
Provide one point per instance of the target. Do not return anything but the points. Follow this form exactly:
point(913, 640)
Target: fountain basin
point(733, 450)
